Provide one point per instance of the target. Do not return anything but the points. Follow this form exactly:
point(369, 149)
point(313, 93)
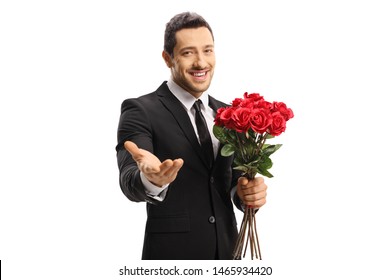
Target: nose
point(200, 61)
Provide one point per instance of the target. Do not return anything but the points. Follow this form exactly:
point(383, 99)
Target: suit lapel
point(215, 105)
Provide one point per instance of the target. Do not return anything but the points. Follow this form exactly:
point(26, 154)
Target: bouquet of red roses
point(243, 129)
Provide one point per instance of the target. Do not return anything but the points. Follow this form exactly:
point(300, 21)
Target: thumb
point(242, 181)
point(132, 148)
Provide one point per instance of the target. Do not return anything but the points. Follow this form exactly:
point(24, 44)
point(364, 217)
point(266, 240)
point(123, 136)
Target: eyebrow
point(192, 48)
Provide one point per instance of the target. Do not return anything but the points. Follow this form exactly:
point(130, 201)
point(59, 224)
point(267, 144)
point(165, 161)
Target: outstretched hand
point(157, 172)
point(252, 192)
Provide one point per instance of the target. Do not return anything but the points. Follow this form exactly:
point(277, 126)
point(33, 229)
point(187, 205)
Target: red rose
point(217, 119)
point(224, 117)
point(247, 103)
point(241, 117)
point(286, 112)
point(278, 124)
point(236, 102)
point(253, 96)
point(262, 104)
point(260, 120)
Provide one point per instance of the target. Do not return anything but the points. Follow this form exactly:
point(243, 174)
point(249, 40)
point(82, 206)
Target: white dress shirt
point(187, 100)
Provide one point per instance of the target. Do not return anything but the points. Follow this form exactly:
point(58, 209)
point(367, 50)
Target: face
point(192, 65)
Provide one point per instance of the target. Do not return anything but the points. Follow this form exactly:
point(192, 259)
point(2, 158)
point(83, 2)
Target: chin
point(202, 86)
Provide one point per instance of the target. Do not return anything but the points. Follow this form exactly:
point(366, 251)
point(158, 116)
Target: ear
point(167, 58)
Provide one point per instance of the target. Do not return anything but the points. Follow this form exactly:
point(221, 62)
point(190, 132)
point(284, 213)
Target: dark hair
point(182, 21)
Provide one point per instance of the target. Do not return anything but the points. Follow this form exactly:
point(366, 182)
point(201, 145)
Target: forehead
point(193, 37)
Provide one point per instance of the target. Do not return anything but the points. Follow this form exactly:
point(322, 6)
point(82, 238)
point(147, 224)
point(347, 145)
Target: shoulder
point(215, 103)
point(145, 100)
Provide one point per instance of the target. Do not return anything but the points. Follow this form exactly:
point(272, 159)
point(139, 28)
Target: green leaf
point(252, 134)
point(227, 150)
point(237, 161)
point(265, 173)
point(269, 150)
point(252, 163)
point(241, 168)
point(231, 136)
point(219, 133)
point(265, 163)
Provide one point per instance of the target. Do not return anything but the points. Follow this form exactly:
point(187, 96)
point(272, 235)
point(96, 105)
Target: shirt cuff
point(232, 193)
point(157, 193)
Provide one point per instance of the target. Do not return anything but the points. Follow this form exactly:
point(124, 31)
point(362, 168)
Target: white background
point(66, 66)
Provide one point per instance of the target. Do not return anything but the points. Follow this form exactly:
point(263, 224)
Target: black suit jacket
point(196, 219)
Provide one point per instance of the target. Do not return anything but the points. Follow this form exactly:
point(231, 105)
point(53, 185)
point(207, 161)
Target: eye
point(187, 53)
point(208, 51)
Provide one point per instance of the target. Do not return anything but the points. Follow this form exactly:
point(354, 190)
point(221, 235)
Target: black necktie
point(203, 133)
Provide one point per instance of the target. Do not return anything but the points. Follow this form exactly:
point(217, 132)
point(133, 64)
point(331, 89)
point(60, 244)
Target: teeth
point(199, 74)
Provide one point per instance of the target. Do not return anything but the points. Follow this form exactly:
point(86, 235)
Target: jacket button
point(212, 219)
point(212, 180)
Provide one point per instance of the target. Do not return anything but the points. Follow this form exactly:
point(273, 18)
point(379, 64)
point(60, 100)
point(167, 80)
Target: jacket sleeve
point(133, 126)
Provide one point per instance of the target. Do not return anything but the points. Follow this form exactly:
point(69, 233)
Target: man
point(162, 161)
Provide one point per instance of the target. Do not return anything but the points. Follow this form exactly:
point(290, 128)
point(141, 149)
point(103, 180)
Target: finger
point(258, 181)
point(132, 148)
point(257, 199)
point(255, 196)
point(178, 162)
point(255, 186)
point(174, 169)
point(254, 189)
point(257, 204)
point(260, 187)
point(165, 166)
point(242, 181)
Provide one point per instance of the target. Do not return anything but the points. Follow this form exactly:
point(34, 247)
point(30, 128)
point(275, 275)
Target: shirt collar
point(185, 97)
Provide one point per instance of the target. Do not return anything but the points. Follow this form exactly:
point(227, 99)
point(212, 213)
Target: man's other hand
point(252, 192)
point(157, 172)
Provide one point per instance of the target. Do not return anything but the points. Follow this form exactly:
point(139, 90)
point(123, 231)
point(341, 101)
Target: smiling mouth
point(199, 74)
